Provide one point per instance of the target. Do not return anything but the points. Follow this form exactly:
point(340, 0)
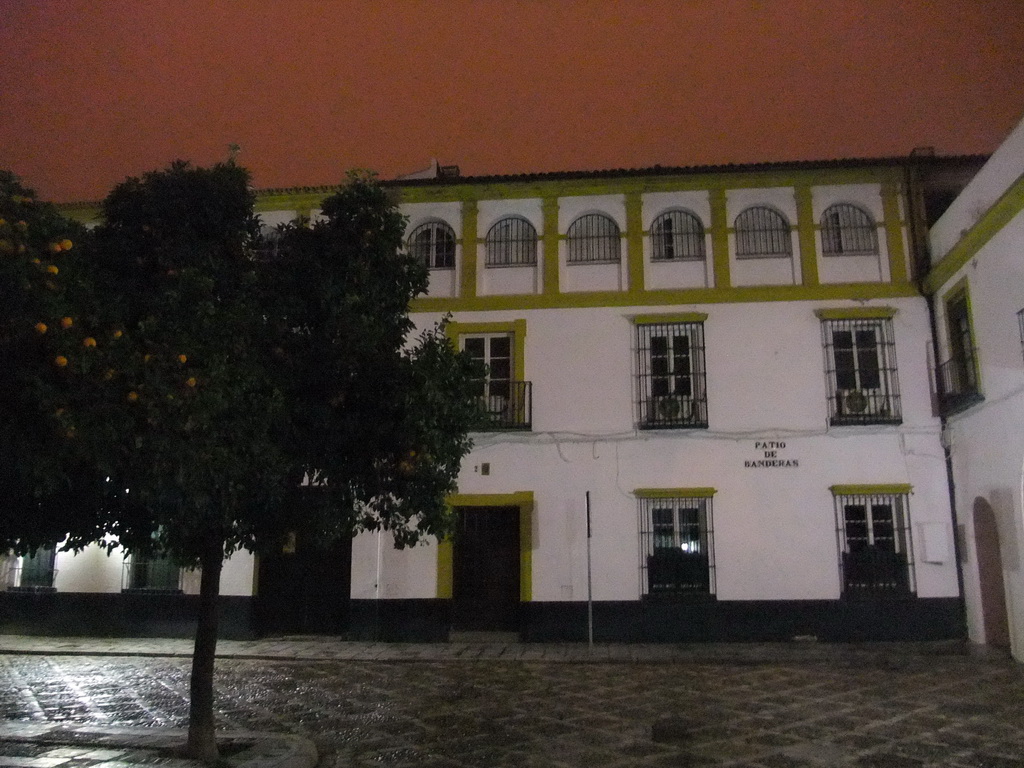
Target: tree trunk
point(202, 744)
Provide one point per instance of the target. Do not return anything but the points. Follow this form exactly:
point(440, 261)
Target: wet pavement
point(470, 705)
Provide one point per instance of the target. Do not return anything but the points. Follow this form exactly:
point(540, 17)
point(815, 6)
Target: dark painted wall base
point(172, 615)
point(423, 621)
point(675, 622)
point(118, 615)
point(753, 620)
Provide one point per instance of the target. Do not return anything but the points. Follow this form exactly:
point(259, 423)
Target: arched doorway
point(990, 575)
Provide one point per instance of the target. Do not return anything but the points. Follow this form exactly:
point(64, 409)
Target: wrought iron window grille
point(957, 380)
point(677, 555)
point(847, 230)
point(677, 236)
point(433, 243)
point(34, 572)
point(154, 575)
point(593, 239)
point(762, 233)
point(511, 242)
point(876, 552)
point(671, 380)
point(860, 372)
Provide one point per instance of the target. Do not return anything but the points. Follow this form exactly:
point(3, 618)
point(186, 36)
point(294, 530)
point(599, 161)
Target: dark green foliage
point(380, 424)
point(48, 481)
point(182, 390)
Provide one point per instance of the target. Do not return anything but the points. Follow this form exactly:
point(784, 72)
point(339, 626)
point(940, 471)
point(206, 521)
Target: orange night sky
point(94, 90)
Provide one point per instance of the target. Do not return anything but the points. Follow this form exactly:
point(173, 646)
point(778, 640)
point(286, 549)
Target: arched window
point(848, 230)
point(677, 236)
point(512, 241)
point(762, 232)
point(593, 238)
point(433, 243)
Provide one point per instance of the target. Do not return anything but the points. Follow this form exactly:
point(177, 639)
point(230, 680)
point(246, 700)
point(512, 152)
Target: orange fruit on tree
point(60, 361)
point(66, 322)
point(40, 327)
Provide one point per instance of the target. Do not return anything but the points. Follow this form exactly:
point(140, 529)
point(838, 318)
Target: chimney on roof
point(433, 171)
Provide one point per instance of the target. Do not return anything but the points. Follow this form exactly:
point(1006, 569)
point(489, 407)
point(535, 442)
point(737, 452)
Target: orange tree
point(48, 479)
point(209, 385)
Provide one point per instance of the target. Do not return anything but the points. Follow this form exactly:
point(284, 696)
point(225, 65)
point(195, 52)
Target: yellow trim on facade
point(516, 328)
point(675, 493)
point(445, 552)
point(1001, 212)
point(551, 247)
point(720, 239)
point(671, 317)
point(300, 198)
point(808, 242)
point(445, 568)
point(836, 292)
point(539, 188)
point(635, 242)
point(894, 233)
point(855, 313)
point(870, 490)
point(467, 275)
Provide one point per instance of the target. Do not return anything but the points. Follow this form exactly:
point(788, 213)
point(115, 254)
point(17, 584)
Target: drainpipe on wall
point(921, 250)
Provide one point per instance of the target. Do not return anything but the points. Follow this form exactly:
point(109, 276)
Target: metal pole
point(590, 585)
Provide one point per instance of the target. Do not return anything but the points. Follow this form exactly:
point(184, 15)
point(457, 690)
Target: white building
point(977, 285)
point(735, 363)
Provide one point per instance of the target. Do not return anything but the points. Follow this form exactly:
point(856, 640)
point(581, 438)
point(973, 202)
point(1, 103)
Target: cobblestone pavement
point(731, 705)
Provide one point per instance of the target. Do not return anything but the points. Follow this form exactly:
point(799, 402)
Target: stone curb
point(268, 750)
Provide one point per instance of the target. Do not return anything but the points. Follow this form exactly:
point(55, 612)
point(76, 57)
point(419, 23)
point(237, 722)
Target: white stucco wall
point(1003, 168)
point(987, 440)
point(774, 529)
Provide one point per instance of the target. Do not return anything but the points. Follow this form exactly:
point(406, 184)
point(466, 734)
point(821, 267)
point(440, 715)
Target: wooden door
point(485, 586)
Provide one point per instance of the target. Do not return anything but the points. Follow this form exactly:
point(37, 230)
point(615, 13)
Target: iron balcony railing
point(957, 381)
point(507, 405)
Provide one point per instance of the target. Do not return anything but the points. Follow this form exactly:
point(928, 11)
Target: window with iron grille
point(762, 233)
point(670, 375)
point(873, 534)
point(958, 381)
point(433, 243)
point(156, 573)
point(34, 572)
point(511, 242)
point(677, 236)
point(860, 371)
point(847, 230)
point(676, 546)
point(593, 239)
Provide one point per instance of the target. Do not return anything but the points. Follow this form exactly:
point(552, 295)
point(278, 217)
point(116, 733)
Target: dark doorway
point(485, 586)
point(990, 575)
point(304, 587)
